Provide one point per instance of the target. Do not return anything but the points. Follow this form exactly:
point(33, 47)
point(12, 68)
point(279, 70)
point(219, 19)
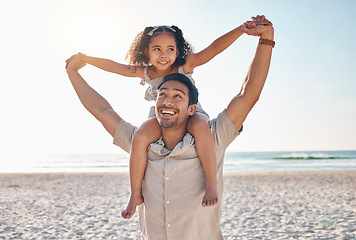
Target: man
point(174, 179)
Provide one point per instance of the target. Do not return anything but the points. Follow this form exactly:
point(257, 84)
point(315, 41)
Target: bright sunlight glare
point(80, 25)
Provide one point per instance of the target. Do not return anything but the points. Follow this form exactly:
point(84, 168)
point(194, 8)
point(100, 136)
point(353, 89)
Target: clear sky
point(309, 101)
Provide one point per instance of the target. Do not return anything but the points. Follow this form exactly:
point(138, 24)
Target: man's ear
point(191, 109)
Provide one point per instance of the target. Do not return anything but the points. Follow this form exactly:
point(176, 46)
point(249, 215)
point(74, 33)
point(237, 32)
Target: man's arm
point(249, 94)
point(92, 100)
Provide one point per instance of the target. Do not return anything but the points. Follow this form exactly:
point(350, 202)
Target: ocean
point(234, 161)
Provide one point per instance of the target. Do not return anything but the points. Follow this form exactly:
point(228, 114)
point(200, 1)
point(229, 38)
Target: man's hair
point(193, 91)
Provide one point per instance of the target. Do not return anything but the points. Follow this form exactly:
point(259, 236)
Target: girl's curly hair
point(137, 56)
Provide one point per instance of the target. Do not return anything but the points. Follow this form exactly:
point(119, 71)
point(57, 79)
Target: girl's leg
point(147, 133)
point(198, 126)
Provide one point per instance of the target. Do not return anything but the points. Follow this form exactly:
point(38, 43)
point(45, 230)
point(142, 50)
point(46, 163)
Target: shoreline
point(226, 172)
point(304, 204)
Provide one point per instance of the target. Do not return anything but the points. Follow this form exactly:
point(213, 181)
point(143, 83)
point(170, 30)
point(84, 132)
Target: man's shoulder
point(123, 135)
point(222, 119)
point(223, 129)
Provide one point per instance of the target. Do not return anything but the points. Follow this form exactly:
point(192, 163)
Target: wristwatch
point(267, 42)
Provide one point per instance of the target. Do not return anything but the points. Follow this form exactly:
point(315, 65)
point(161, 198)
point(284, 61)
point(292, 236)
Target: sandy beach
point(256, 205)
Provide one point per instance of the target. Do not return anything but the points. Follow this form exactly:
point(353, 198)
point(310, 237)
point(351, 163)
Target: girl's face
point(162, 50)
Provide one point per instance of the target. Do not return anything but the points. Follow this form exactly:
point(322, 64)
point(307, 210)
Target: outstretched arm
point(92, 100)
point(249, 94)
point(109, 65)
point(219, 45)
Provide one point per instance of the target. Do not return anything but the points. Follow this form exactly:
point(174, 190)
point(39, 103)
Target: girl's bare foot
point(211, 196)
point(130, 209)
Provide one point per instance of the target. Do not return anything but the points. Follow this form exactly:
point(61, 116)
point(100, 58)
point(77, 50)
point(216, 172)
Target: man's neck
point(172, 137)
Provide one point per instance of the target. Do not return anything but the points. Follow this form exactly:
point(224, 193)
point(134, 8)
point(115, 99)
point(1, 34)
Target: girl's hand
point(79, 55)
point(74, 63)
point(259, 26)
point(258, 20)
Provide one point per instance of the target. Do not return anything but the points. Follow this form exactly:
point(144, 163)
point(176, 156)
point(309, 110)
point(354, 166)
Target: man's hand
point(91, 100)
point(259, 26)
point(74, 63)
point(258, 20)
point(249, 94)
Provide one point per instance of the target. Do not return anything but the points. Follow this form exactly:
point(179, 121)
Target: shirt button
point(168, 225)
point(167, 202)
point(167, 178)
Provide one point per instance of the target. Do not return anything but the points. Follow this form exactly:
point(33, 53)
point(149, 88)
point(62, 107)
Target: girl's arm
point(110, 66)
point(219, 45)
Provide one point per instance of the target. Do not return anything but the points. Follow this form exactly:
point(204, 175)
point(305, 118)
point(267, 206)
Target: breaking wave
point(305, 156)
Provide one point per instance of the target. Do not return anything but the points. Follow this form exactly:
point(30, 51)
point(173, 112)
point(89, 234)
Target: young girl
point(156, 52)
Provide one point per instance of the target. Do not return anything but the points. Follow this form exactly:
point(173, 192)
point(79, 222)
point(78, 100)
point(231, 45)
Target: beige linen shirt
point(174, 185)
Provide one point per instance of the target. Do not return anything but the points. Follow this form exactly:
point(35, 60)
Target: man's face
point(172, 105)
